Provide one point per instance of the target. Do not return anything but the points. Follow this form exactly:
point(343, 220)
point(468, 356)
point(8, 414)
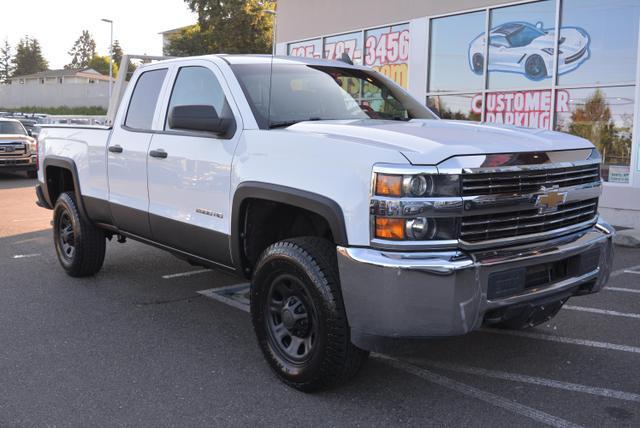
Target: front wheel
point(299, 317)
point(79, 244)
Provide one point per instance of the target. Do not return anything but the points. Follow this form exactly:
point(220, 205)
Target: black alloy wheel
point(291, 319)
point(298, 315)
point(79, 244)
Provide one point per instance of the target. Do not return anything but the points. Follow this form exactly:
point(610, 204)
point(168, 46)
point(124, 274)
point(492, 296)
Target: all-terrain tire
point(310, 265)
point(83, 252)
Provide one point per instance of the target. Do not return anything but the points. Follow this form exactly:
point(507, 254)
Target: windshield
point(524, 36)
point(9, 127)
point(308, 92)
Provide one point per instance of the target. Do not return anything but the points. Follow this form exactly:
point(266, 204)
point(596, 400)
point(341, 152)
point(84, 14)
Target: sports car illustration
point(521, 47)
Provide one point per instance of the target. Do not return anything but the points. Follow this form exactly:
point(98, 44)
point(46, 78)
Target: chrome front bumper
point(419, 295)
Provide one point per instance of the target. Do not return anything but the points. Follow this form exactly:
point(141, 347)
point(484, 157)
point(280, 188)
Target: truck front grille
point(528, 181)
point(12, 149)
point(477, 228)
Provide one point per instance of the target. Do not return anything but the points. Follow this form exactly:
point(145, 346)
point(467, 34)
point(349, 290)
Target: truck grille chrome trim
point(528, 181)
point(526, 222)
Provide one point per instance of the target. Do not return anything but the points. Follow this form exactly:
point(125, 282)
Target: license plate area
point(515, 281)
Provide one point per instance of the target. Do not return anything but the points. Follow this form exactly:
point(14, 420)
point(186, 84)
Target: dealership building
point(582, 79)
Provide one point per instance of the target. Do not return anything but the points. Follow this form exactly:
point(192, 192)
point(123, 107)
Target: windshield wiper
point(287, 123)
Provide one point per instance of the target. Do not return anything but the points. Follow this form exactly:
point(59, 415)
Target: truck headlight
point(417, 186)
point(417, 205)
point(416, 229)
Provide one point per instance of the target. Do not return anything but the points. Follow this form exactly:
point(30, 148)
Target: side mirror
point(30, 133)
point(198, 118)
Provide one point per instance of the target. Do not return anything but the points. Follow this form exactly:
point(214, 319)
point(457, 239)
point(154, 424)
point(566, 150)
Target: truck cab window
point(144, 98)
point(198, 86)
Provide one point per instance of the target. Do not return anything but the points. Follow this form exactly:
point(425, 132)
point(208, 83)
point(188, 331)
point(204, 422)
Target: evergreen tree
point(116, 51)
point(28, 58)
point(83, 50)
point(6, 65)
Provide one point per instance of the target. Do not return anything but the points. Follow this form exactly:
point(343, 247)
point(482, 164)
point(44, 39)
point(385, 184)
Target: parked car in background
point(18, 149)
point(521, 47)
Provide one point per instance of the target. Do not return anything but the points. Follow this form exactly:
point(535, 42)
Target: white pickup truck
point(359, 217)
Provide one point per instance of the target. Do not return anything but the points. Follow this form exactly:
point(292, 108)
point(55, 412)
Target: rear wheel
point(80, 245)
point(298, 315)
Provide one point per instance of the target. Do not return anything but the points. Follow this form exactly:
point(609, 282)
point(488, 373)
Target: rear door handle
point(115, 149)
point(161, 154)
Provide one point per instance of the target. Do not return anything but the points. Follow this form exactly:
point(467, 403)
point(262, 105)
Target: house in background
point(166, 36)
point(56, 88)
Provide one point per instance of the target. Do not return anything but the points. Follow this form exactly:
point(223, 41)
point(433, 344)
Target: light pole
point(275, 23)
point(110, 22)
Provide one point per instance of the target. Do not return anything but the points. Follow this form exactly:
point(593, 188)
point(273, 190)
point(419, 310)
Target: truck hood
point(15, 137)
point(429, 142)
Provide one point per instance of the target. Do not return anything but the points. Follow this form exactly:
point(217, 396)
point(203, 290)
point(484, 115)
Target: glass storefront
point(587, 70)
point(385, 49)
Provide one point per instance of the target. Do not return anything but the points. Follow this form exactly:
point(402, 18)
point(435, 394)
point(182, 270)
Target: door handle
point(161, 154)
point(115, 149)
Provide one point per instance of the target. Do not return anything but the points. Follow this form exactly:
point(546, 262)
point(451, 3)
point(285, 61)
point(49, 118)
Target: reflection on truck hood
point(15, 137)
point(427, 142)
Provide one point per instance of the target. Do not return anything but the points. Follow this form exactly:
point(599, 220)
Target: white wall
point(58, 95)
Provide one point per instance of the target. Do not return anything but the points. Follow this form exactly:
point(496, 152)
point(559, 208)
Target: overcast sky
point(58, 23)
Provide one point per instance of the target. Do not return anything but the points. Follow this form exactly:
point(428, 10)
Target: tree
point(28, 58)
point(6, 65)
point(116, 52)
point(594, 122)
point(83, 50)
point(230, 26)
point(101, 65)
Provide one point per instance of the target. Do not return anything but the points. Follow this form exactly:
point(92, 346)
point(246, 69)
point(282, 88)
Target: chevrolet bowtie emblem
point(550, 200)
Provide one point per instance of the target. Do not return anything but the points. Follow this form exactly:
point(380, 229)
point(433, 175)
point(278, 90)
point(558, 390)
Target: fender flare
point(325, 207)
point(70, 165)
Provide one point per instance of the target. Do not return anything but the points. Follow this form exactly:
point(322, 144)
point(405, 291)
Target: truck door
point(127, 155)
point(190, 171)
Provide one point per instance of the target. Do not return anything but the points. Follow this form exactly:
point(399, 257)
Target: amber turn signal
point(388, 185)
point(390, 228)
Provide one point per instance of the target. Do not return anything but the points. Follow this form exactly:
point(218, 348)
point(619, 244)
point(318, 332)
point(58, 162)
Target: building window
point(42, 81)
point(521, 41)
point(603, 116)
point(60, 80)
point(308, 49)
point(457, 52)
point(387, 51)
point(599, 42)
point(350, 44)
point(457, 107)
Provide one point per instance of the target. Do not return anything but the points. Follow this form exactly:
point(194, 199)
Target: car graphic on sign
point(521, 47)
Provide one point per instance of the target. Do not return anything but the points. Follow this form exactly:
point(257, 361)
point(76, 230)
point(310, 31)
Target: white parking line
point(635, 272)
point(626, 290)
point(585, 389)
point(624, 270)
point(567, 340)
point(601, 311)
point(192, 272)
point(25, 256)
point(470, 391)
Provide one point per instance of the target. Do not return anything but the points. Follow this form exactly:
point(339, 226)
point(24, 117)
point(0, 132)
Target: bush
point(62, 110)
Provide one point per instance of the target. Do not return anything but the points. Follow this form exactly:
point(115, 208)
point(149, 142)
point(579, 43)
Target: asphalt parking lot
point(138, 345)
